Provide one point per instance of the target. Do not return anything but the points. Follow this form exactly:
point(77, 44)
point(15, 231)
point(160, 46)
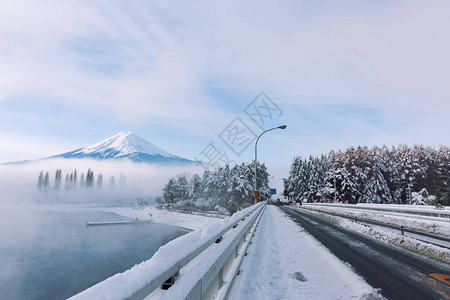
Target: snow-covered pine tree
point(169, 191)
point(223, 181)
point(238, 189)
point(346, 187)
point(208, 185)
point(181, 189)
point(194, 187)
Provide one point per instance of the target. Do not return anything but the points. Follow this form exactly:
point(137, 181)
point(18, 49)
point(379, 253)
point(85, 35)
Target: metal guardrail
point(229, 286)
point(209, 271)
point(430, 213)
point(205, 279)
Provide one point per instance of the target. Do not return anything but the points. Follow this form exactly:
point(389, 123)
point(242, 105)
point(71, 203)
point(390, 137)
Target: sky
point(185, 74)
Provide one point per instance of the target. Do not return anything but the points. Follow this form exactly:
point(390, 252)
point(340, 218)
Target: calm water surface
point(54, 255)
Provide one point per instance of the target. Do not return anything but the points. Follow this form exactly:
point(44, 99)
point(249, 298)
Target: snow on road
point(285, 262)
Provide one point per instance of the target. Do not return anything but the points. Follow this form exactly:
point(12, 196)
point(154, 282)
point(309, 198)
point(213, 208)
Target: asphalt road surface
point(399, 274)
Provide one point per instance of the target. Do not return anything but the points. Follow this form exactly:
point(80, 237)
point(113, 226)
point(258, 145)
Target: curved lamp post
point(256, 157)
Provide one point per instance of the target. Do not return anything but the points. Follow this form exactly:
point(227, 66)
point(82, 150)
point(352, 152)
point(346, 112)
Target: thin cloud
point(153, 63)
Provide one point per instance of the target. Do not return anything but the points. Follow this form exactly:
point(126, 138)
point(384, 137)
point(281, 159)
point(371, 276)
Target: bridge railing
point(192, 266)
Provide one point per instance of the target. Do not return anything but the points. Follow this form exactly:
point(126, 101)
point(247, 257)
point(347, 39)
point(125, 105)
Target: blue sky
point(343, 74)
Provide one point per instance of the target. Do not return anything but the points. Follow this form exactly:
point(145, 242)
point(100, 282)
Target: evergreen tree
point(46, 180)
point(67, 182)
point(58, 178)
point(89, 178)
point(208, 185)
point(75, 179)
point(376, 175)
point(82, 183)
point(123, 179)
point(169, 191)
point(195, 191)
point(99, 180)
point(40, 184)
point(181, 189)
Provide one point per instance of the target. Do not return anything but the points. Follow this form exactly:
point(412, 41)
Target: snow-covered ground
point(285, 262)
point(185, 220)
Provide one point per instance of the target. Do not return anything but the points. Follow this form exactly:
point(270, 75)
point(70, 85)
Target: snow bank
point(124, 284)
point(429, 250)
point(173, 218)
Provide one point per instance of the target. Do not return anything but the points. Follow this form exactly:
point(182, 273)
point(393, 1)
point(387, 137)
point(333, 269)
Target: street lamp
point(256, 157)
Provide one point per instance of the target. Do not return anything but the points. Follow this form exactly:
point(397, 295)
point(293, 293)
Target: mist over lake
point(51, 254)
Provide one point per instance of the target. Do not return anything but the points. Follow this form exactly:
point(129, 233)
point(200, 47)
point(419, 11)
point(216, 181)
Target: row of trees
point(375, 175)
point(227, 187)
point(72, 182)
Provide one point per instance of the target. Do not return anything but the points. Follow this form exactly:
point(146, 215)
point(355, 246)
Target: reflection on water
point(54, 255)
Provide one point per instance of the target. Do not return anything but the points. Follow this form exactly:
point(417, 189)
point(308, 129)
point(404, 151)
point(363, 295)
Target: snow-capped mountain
point(125, 145)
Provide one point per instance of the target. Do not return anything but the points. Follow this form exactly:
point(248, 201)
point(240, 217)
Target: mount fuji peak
point(125, 145)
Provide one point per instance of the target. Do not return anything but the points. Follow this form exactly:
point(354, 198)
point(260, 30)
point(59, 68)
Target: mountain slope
point(125, 145)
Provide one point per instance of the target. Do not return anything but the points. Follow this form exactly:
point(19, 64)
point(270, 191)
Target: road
point(399, 274)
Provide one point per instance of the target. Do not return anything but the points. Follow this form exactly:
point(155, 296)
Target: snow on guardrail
point(425, 211)
point(166, 262)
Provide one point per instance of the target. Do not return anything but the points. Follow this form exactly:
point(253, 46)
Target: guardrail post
point(220, 278)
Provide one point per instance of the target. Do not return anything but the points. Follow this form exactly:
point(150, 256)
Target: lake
point(54, 255)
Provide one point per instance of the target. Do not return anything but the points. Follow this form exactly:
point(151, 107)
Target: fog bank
point(122, 180)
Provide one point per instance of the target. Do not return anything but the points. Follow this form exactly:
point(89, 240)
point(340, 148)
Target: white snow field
point(285, 262)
